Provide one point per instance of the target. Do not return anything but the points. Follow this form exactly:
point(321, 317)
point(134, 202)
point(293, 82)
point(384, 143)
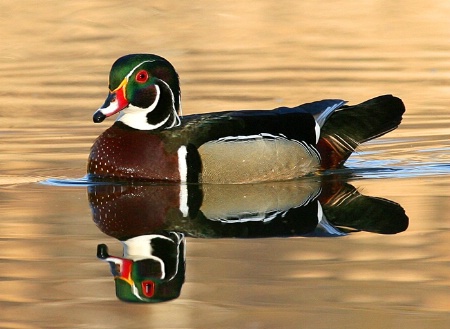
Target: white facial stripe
point(153, 106)
point(135, 68)
point(159, 124)
point(127, 77)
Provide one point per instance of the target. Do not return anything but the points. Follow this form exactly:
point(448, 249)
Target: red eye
point(148, 288)
point(142, 76)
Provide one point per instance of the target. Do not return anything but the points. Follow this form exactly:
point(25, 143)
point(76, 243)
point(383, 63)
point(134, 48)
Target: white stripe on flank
point(246, 137)
point(182, 163)
point(182, 168)
point(250, 138)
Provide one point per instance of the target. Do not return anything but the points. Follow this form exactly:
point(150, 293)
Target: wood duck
point(151, 141)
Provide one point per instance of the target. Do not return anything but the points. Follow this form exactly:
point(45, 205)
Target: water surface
point(54, 62)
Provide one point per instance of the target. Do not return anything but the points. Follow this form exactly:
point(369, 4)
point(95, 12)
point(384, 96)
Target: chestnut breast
point(123, 153)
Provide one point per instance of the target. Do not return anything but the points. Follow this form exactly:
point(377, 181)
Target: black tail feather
point(352, 125)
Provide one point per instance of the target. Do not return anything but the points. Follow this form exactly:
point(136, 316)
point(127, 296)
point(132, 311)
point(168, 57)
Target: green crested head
point(156, 67)
point(145, 88)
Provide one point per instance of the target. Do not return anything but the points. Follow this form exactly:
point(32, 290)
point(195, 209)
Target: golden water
point(54, 61)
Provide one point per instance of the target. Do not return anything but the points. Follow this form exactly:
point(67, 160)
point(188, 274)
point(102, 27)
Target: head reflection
point(152, 268)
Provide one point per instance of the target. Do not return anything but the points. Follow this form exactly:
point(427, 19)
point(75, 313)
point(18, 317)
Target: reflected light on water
point(55, 60)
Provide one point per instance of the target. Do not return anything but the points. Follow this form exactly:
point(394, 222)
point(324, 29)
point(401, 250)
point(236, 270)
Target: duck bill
point(115, 102)
point(120, 267)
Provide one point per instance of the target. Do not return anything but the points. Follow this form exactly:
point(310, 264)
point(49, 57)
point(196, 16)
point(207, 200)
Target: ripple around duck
point(389, 169)
point(400, 158)
point(73, 182)
point(355, 169)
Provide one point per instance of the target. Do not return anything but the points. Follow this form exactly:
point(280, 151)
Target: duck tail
point(349, 126)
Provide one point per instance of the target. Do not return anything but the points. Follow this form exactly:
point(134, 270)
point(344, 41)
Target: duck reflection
point(152, 221)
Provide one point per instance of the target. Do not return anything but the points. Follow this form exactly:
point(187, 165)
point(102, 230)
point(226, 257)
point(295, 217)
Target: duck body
point(224, 147)
point(150, 142)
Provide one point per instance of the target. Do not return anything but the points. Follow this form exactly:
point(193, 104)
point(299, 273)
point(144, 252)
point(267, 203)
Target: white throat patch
point(136, 117)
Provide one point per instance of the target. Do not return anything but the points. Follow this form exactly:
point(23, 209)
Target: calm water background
point(54, 60)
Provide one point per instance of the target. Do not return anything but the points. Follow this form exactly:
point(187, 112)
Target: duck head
point(145, 89)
